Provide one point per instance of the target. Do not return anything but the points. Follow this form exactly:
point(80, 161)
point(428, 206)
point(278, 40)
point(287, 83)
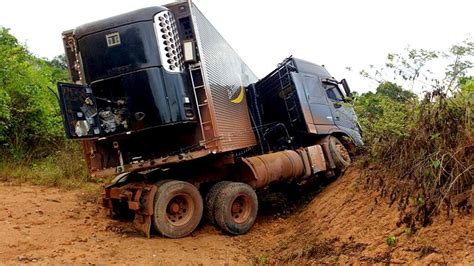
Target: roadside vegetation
point(32, 144)
point(420, 149)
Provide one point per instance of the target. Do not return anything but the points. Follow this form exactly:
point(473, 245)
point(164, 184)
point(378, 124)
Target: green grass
point(261, 260)
point(391, 240)
point(64, 168)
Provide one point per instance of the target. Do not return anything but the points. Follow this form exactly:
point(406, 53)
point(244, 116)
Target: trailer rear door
point(79, 111)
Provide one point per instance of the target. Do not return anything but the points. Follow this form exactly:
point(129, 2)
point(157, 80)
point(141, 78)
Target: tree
point(384, 113)
point(413, 68)
point(58, 66)
point(395, 92)
point(30, 121)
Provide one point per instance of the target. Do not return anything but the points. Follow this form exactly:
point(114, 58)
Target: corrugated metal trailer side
point(225, 76)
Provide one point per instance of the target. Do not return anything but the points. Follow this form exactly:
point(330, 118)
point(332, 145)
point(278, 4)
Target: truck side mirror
point(347, 90)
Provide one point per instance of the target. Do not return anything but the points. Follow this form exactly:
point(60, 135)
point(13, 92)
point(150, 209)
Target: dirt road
point(51, 226)
point(342, 224)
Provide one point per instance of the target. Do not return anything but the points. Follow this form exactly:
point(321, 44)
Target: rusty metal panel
point(308, 171)
point(72, 56)
point(316, 157)
point(226, 77)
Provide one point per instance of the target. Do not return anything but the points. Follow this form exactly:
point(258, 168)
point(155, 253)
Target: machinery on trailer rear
point(162, 103)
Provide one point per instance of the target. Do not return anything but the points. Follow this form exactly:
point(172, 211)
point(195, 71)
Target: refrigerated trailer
point(163, 105)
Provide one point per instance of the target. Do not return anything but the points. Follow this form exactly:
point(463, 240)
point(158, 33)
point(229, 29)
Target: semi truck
point(169, 112)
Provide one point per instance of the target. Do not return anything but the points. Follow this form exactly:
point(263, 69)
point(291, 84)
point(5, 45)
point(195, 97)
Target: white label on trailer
point(113, 39)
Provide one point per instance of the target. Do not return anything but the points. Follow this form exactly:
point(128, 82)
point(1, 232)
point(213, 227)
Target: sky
point(337, 33)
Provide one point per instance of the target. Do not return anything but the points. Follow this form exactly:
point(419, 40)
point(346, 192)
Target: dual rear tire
point(178, 208)
point(232, 207)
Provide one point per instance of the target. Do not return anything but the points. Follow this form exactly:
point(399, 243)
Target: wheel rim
point(180, 209)
point(241, 208)
point(343, 151)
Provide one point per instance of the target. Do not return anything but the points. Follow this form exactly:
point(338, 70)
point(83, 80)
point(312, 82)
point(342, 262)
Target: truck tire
point(209, 202)
point(178, 209)
point(236, 208)
point(161, 182)
point(339, 154)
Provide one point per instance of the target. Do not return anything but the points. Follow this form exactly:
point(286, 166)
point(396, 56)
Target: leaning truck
point(163, 105)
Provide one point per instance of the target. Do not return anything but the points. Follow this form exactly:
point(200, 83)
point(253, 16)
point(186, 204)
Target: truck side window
point(333, 93)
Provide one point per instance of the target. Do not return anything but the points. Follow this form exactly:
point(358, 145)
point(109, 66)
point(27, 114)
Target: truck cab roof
point(306, 67)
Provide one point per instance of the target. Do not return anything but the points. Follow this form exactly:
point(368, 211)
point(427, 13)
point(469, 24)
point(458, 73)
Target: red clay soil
point(347, 224)
point(343, 224)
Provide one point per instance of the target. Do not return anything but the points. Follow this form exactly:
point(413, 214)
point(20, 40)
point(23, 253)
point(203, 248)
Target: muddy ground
point(343, 224)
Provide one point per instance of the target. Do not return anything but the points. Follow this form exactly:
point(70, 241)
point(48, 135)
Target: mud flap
point(324, 142)
point(143, 224)
point(140, 199)
point(144, 209)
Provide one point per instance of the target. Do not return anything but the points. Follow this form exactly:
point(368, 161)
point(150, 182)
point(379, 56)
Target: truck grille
point(168, 41)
